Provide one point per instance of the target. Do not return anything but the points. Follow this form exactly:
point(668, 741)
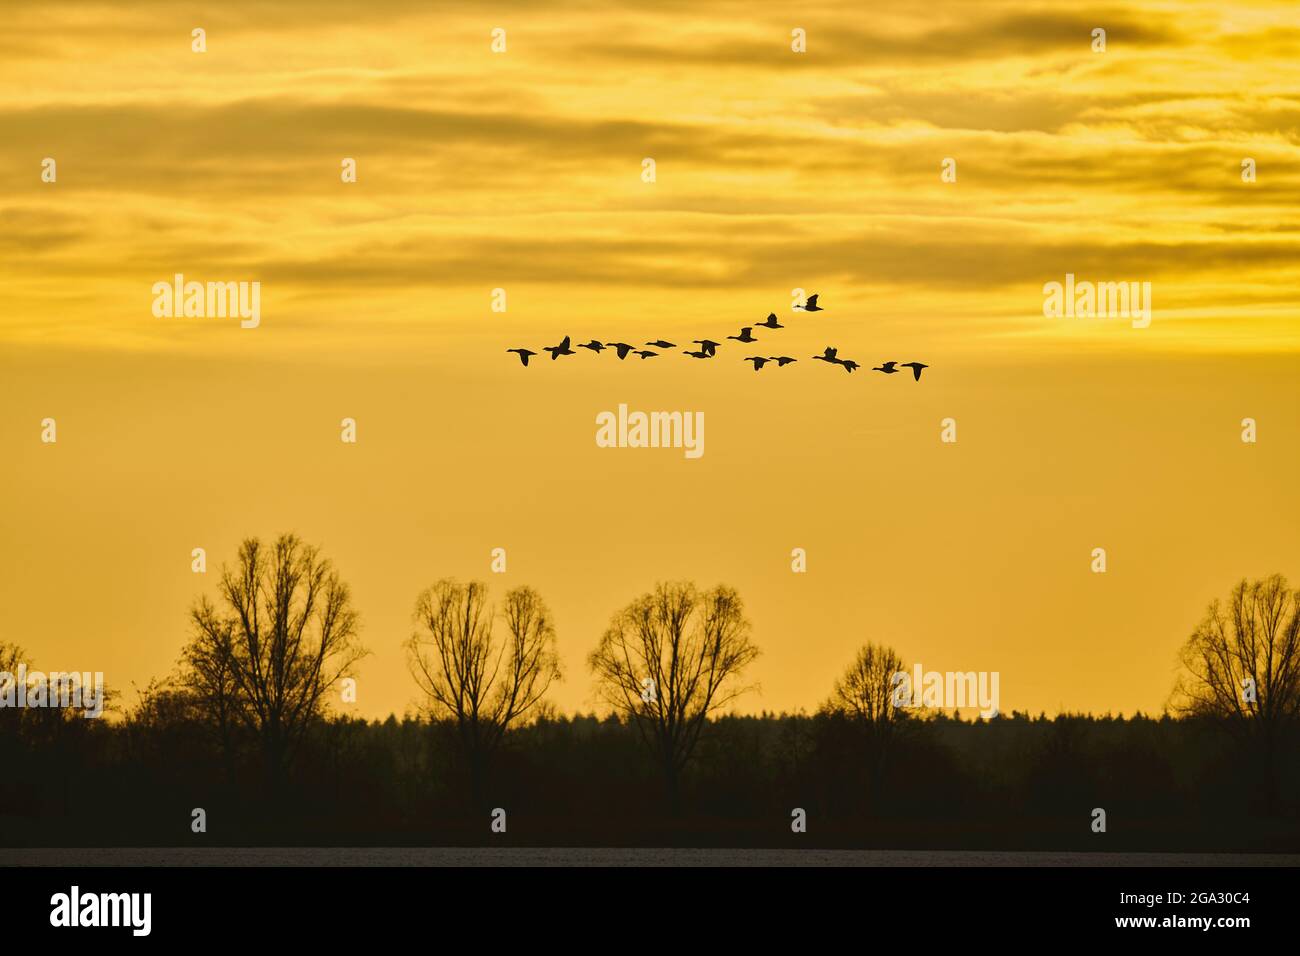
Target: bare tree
point(866, 695)
point(208, 672)
point(866, 691)
point(1242, 667)
point(68, 697)
point(283, 635)
point(11, 656)
point(159, 724)
point(668, 661)
point(468, 675)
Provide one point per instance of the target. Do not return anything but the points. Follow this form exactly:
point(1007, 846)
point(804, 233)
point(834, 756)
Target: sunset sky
point(775, 171)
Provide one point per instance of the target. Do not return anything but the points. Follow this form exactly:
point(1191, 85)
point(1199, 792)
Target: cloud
point(477, 170)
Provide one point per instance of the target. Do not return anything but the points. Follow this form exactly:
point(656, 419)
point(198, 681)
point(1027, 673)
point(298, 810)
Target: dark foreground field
point(1010, 785)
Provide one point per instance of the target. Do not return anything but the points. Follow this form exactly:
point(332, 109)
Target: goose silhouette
point(622, 348)
point(849, 365)
point(593, 345)
point(645, 354)
point(524, 355)
point(558, 350)
point(661, 344)
point(782, 360)
point(746, 335)
point(811, 305)
point(758, 361)
point(828, 356)
point(770, 322)
point(887, 368)
point(707, 345)
point(915, 367)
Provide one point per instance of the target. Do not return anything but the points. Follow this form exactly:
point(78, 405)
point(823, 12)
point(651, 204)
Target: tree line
point(280, 640)
point(281, 637)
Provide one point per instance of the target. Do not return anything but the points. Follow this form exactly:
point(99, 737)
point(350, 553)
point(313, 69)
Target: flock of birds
point(709, 349)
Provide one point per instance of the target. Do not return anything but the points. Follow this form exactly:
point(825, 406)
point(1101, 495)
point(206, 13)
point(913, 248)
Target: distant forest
point(244, 733)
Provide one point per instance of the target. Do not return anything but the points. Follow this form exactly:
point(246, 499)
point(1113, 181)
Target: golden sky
point(775, 171)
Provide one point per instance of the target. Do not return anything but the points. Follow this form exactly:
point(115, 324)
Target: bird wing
point(812, 300)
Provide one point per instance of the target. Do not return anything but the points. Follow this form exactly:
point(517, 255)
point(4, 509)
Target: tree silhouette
point(60, 690)
point(866, 691)
point(282, 636)
point(11, 656)
point(166, 724)
point(1243, 668)
point(468, 675)
point(667, 662)
point(866, 695)
point(208, 671)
